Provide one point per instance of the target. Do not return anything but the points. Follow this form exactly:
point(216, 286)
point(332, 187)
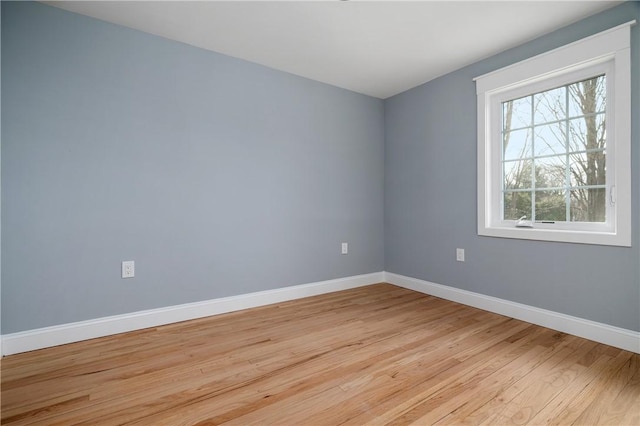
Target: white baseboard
point(603, 333)
point(74, 332)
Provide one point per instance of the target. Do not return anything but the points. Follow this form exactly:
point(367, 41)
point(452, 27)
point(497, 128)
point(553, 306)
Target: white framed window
point(554, 137)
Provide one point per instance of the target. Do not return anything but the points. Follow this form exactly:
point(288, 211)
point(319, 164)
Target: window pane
point(517, 174)
point(587, 97)
point(516, 144)
point(550, 139)
point(588, 205)
point(588, 168)
point(516, 205)
point(553, 154)
point(587, 133)
point(551, 205)
point(550, 105)
point(551, 171)
point(516, 113)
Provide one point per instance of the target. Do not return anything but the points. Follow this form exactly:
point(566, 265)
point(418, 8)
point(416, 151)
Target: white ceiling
point(379, 48)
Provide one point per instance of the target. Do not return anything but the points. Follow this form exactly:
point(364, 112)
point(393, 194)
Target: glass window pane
point(517, 174)
point(516, 144)
point(588, 168)
point(551, 205)
point(588, 205)
point(550, 105)
point(587, 133)
point(550, 139)
point(516, 205)
point(587, 97)
point(516, 113)
point(554, 154)
point(551, 171)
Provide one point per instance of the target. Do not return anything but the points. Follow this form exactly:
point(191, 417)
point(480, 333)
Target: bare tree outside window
point(554, 152)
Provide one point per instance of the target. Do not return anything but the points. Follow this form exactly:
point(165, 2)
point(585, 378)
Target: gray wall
point(0, 181)
point(217, 176)
point(220, 177)
point(430, 200)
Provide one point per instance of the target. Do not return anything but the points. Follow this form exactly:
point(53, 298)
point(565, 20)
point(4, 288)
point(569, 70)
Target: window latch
point(612, 195)
point(523, 223)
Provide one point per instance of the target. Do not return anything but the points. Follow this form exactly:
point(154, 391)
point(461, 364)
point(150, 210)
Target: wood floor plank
point(417, 381)
point(477, 401)
point(501, 408)
point(469, 383)
point(372, 355)
point(564, 399)
point(604, 410)
point(625, 408)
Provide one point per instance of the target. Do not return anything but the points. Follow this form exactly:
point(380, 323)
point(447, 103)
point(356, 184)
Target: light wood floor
point(373, 355)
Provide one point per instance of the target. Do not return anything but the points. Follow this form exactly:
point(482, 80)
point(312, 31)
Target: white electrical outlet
point(460, 255)
point(345, 248)
point(128, 269)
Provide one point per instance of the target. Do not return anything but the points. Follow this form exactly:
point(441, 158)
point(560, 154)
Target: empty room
point(320, 212)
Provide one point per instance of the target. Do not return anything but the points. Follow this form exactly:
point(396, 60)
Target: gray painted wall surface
point(220, 177)
point(430, 200)
point(0, 180)
point(217, 176)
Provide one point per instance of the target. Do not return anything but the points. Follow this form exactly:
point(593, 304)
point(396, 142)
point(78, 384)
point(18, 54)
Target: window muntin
point(554, 154)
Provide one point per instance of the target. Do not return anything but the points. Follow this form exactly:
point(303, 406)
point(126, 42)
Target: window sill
point(563, 236)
